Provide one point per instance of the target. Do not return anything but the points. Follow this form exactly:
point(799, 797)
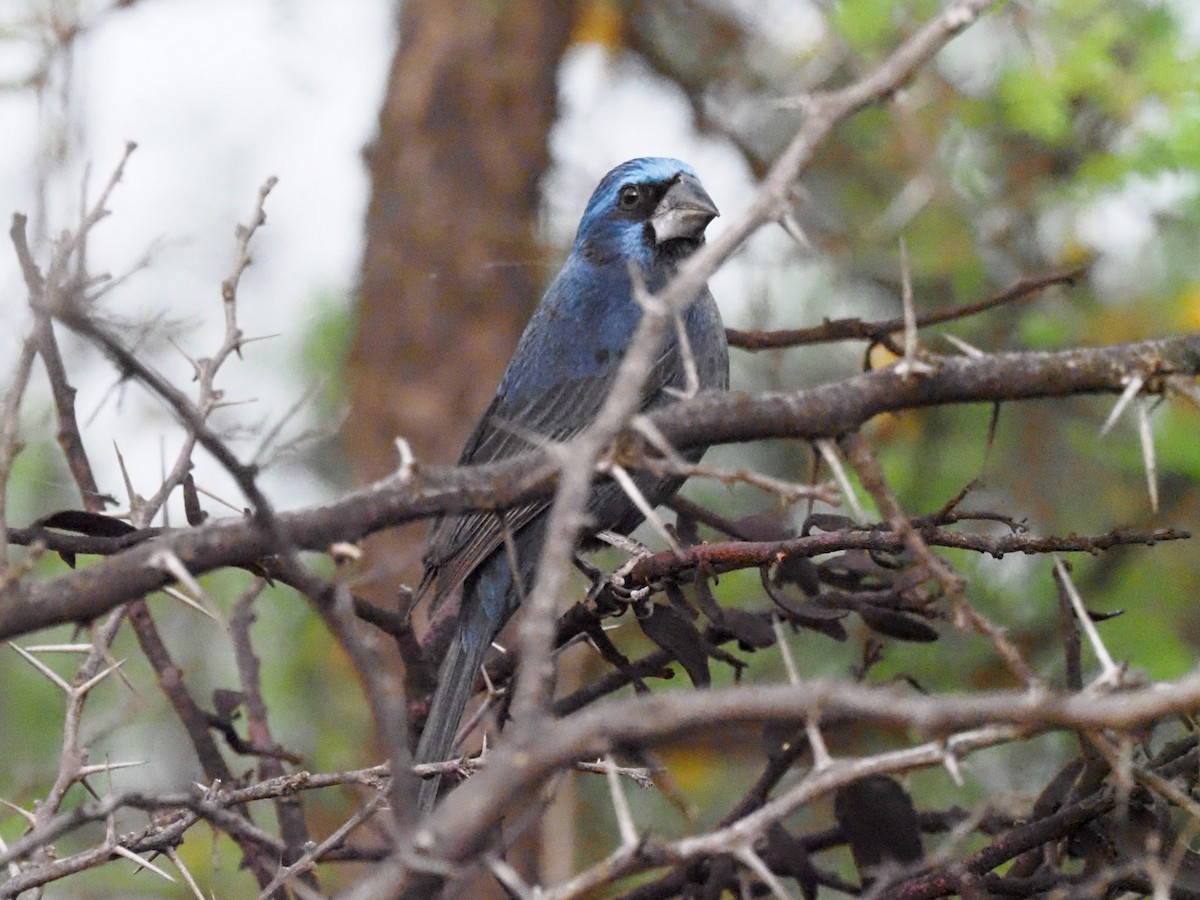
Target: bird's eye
point(630, 196)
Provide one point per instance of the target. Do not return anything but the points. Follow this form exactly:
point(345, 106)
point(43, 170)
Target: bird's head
point(646, 210)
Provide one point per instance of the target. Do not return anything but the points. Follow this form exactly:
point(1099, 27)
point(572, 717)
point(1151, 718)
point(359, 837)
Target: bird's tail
point(456, 681)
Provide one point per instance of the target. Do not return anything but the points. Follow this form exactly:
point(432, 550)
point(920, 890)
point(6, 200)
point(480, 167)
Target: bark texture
point(452, 267)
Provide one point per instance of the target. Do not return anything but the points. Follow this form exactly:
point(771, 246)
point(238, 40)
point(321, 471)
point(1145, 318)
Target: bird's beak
point(684, 211)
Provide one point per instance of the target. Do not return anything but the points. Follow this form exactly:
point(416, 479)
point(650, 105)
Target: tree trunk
point(452, 267)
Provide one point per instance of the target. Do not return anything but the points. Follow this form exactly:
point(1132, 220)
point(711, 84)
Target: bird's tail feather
point(456, 681)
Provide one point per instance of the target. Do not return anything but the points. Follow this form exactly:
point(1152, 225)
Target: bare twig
point(879, 332)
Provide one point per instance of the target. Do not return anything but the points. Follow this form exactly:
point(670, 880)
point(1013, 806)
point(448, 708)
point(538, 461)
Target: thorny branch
point(881, 332)
point(825, 411)
point(888, 573)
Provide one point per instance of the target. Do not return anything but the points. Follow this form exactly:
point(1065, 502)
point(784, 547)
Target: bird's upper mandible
point(684, 211)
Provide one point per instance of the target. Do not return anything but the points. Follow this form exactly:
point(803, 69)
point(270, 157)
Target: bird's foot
point(612, 595)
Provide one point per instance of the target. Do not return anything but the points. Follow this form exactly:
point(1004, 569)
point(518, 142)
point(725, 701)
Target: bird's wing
point(460, 543)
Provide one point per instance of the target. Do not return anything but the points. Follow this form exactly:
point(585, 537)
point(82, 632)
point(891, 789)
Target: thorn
point(621, 477)
point(691, 377)
point(254, 339)
point(1148, 458)
point(208, 791)
point(789, 224)
point(166, 561)
point(21, 811)
point(225, 404)
point(821, 758)
point(85, 771)
point(97, 678)
point(910, 365)
point(197, 369)
point(489, 686)
point(110, 821)
point(950, 761)
point(754, 862)
point(188, 601)
point(620, 804)
point(173, 856)
point(135, 500)
point(60, 648)
point(217, 499)
point(142, 863)
point(829, 453)
point(408, 461)
point(968, 349)
point(642, 777)
point(508, 877)
point(1133, 385)
point(656, 439)
point(1110, 674)
point(43, 668)
point(789, 664)
point(111, 660)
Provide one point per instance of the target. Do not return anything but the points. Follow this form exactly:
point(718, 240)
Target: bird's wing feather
point(458, 544)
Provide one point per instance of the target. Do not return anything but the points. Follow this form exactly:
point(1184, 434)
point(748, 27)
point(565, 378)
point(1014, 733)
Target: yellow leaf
point(882, 357)
point(1188, 308)
point(599, 22)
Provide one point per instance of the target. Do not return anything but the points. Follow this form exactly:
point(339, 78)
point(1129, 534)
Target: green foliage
point(865, 24)
point(1035, 105)
point(327, 345)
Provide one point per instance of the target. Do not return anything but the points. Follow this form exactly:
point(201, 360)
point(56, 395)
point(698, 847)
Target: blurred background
point(434, 158)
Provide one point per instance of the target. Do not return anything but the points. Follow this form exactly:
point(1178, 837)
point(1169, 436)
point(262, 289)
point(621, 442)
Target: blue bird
point(649, 213)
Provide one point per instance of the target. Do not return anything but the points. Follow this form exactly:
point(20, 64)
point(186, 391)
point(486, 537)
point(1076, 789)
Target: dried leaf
point(806, 613)
point(880, 823)
point(827, 522)
point(687, 530)
point(801, 571)
point(704, 596)
point(761, 528)
point(896, 625)
point(191, 502)
point(89, 523)
point(752, 631)
point(227, 703)
point(786, 855)
point(820, 619)
point(671, 631)
point(680, 603)
point(720, 879)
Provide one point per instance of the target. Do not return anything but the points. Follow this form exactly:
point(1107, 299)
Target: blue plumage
point(650, 212)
